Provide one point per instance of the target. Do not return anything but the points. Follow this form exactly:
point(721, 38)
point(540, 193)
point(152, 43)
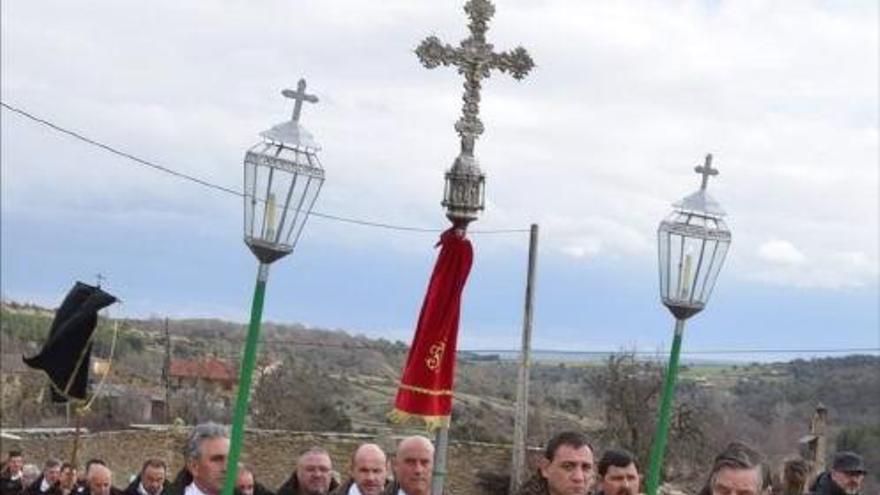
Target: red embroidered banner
point(426, 385)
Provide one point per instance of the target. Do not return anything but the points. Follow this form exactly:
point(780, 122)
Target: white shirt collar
point(142, 490)
point(353, 489)
point(44, 485)
point(192, 489)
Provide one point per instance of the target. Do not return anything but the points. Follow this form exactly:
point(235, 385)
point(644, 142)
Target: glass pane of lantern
point(712, 275)
point(249, 181)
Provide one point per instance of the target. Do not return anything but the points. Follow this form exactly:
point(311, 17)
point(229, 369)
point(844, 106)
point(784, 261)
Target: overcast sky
point(594, 145)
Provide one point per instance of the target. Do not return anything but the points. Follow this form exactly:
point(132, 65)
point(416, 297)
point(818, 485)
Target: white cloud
point(594, 145)
point(780, 252)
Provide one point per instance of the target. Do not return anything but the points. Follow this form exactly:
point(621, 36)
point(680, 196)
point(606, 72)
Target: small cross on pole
point(706, 171)
point(299, 96)
point(474, 59)
point(100, 278)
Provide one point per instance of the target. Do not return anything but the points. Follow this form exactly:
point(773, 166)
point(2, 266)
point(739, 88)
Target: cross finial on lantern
point(299, 96)
point(706, 170)
point(474, 59)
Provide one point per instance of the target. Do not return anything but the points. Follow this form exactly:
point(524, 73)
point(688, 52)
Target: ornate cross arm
point(517, 62)
point(434, 53)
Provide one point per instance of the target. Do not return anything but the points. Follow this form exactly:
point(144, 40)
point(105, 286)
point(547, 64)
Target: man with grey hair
point(413, 466)
point(205, 456)
point(100, 481)
point(737, 471)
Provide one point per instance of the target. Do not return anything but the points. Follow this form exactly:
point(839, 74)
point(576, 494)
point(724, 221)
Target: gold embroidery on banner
point(425, 391)
point(435, 356)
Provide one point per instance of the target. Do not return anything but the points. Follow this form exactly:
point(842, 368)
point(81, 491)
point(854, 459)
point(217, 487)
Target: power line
point(225, 189)
point(354, 345)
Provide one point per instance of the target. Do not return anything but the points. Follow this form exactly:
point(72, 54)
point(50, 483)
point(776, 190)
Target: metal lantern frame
point(692, 243)
point(282, 180)
point(464, 190)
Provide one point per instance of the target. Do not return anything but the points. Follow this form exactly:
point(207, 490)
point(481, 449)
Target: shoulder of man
point(260, 489)
point(391, 487)
point(289, 487)
point(342, 488)
point(178, 486)
point(132, 488)
point(536, 485)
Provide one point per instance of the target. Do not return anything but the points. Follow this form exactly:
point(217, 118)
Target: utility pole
point(521, 418)
point(166, 373)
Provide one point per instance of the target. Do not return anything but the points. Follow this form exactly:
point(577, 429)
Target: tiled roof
point(208, 368)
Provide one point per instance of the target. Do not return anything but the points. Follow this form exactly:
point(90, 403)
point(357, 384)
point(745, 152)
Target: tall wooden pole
point(521, 418)
point(166, 374)
point(438, 475)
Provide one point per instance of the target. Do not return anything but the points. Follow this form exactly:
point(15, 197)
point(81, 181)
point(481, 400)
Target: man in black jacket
point(368, 472)
point(47, 483)
point(152, 480)
point(313, 474)
point(10, 475)
point(618, 473)
point(845, 477)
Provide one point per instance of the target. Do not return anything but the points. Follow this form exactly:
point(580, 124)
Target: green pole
point(244, 380)
point(658, 447)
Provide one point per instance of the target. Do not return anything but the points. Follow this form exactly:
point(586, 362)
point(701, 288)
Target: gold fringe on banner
point(432, 423)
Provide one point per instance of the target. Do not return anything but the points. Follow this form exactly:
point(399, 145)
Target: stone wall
point(271, 453)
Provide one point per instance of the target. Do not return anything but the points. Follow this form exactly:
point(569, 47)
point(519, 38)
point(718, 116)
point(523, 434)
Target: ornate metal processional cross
point(464, 194)
point(474, 59)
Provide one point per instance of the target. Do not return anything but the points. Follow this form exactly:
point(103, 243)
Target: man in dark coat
point(10, 475)
point(151, 480)
point(99, 481)
point(247, 484)
point(565, 469)
point(313, 474)
point(737, 469)
point(47, 483)
point(206, 453)
point(368, 472)
point(618, 472)
point(845, 477)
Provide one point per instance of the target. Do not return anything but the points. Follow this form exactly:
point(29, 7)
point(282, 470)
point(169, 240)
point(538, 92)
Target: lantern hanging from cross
point(464, 193)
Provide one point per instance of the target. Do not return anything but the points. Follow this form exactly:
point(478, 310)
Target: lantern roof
point(701, 202)
point(292, 134)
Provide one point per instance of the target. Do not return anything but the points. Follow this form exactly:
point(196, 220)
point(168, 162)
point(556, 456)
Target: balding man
point(412, 466)
point(313, 474)
point(368, 472)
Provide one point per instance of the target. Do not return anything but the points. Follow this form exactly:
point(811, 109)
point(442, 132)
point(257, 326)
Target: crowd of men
point(567, 467)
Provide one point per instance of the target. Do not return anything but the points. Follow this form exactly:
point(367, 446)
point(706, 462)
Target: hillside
point(350, 382)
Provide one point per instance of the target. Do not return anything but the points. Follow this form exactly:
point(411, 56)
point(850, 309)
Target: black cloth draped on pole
point(66, 354)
